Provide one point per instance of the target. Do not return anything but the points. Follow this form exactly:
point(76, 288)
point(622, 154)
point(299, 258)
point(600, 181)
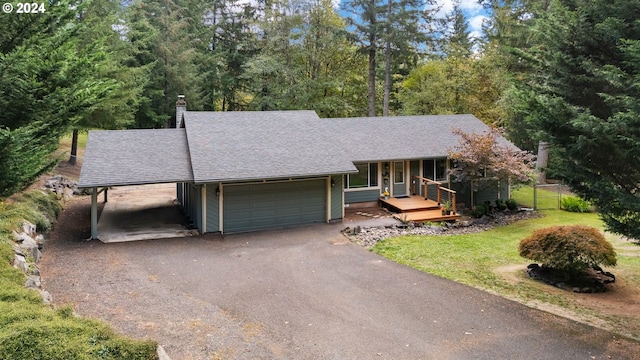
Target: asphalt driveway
point(303, 293)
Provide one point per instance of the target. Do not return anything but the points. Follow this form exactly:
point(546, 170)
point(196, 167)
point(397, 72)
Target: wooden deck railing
point(421, 186)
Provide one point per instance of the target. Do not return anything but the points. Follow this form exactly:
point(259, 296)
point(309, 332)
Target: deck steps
point(416, 208)
point(426, 215)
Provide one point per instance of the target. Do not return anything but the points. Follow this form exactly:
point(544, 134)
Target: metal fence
point(548, 196)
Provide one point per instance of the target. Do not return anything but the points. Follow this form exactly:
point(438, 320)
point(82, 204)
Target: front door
point(399, 181)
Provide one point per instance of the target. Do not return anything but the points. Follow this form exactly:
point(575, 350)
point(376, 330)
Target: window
point(398, 172)
point(373, 174)
point(435, 169)
point(367, 176)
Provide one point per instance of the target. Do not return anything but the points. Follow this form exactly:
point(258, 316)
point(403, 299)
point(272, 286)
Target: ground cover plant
point(490, 261)
point(29, 329)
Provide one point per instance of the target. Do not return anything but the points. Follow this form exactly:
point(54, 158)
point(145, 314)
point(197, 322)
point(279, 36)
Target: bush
point(575, 204)
point(568, 248)
point(479, 211)
point(511, 204)
point(501, 205)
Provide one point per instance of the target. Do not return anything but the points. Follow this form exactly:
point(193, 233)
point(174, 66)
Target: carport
point(134, 157)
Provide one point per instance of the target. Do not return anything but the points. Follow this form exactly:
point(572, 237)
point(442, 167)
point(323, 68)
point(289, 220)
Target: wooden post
point(105, 194)
point(453, 203)
point(94, 213)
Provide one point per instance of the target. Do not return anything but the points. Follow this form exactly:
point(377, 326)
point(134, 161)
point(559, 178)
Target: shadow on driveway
point(301, 293)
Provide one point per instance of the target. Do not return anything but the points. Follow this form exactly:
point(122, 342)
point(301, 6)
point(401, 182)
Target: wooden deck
point(416, 208)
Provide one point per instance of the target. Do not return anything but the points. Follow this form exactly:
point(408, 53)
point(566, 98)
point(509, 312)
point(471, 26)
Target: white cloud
point(469, 7)
point(475, 23)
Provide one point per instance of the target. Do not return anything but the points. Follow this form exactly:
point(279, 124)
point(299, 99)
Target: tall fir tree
point(50, 81)
point(581, 91)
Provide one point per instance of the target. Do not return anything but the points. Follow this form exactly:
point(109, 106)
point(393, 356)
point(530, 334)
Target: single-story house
point(245, 171)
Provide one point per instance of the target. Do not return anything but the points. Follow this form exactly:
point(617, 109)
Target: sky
point(473, 11)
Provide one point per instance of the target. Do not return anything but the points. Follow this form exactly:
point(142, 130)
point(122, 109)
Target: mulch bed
point(593, 280)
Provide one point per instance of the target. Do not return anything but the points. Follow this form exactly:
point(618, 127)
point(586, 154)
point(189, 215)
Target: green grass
point(31, 330)
point(65, 141)
point(547, 199)
point(489, 260)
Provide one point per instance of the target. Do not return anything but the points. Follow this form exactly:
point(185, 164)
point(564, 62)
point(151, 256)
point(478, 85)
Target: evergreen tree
point(457, 41)
point(306, 61)
point(117, 106)
point(581, 91)
point(49, 82)
point(230, 42)
point(169, 49)
point(395, 29)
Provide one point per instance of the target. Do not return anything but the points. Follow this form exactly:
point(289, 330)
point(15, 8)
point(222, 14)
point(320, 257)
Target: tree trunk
point(372, 61)
point(74, 147)
point(542, 161)
point(387, 66)
point(372, 77)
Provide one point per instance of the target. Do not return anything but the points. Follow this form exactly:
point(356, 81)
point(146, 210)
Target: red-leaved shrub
point(568, 248)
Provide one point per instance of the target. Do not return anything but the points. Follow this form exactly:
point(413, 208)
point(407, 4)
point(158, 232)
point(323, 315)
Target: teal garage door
point(262, 206)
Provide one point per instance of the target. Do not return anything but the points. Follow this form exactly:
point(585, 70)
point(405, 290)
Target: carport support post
point(94, 213)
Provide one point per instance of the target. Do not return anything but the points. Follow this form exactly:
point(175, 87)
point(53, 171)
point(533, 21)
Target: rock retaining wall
point(27, 253)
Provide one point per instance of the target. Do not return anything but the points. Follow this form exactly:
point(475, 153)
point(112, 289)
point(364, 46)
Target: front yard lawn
point(489, 260)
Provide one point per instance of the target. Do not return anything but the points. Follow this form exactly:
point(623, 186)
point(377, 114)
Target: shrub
point(568, 248)
point(479, 211)
point(575, 204)
point(511, 204)
point(501, 205)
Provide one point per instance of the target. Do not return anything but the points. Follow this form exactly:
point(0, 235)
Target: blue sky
point(473, 11)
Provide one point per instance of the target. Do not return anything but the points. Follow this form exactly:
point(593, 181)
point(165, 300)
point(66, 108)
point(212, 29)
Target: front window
point(367, 176)
point(435, 169)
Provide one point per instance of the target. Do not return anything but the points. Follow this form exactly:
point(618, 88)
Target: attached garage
point(257, 206)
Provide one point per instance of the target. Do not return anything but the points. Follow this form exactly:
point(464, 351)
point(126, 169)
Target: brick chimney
point(181, 107)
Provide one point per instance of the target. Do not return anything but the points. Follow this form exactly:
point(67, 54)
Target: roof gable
point(261, 145)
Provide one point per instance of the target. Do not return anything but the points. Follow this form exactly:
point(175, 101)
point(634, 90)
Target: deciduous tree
point(481, 158)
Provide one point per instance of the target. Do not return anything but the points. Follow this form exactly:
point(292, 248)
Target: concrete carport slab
point(142, 212)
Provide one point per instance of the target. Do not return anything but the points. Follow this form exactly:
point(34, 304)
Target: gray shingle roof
point(402, 137)
point(134, 157)
point(231, 146)
point(262, 145)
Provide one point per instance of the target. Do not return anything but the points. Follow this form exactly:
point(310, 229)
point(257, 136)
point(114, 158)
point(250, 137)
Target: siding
point(336, 197)
point(197, 207)
point(179, 190)
point(463, 193)
point(213, 208)
point(361, 196)
point(489, 193)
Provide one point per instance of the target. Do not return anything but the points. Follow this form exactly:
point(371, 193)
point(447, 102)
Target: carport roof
point(135, 157)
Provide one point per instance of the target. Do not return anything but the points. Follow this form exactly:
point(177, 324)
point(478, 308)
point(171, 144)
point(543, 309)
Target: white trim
point(363, 189)
point(203, 200)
